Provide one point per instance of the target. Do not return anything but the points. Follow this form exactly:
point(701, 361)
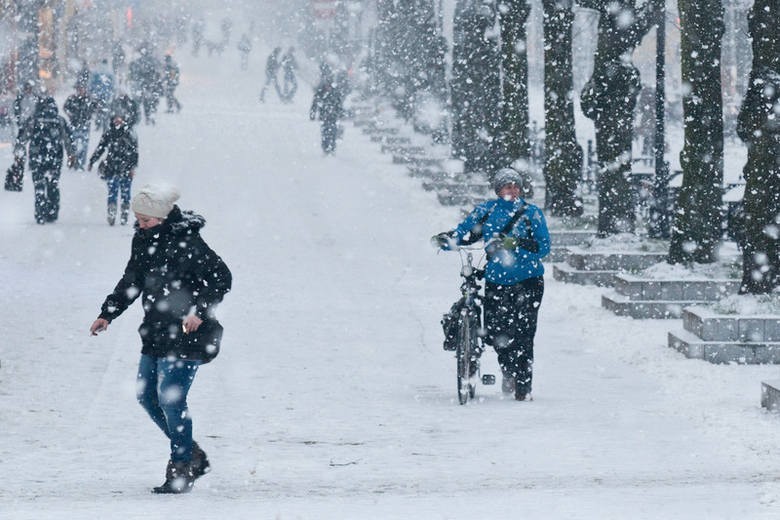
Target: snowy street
point(332, 397)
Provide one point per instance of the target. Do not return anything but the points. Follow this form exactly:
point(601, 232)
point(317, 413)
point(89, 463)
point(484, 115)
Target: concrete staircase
point(640, 297)
point(726, 338)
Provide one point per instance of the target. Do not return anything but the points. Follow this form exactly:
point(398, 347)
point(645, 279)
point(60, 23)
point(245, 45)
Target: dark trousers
point(162, 390)
point(329, 134)
point(510, 317)
point(47, 194)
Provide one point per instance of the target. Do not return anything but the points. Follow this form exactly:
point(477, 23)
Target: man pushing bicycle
point(516, 239)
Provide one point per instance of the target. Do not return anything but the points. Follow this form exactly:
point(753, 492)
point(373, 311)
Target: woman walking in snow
point(180, 280)
point(118, 170)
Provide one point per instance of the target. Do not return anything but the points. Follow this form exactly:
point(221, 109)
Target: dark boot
point(200, 462)
point(178, 479)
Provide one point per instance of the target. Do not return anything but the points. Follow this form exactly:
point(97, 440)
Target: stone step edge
point(622, 305)
point(770, 395)
point(691, 346)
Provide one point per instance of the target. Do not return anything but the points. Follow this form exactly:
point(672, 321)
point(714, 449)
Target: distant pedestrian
point(244, 48)
point(80, 107)
point(289, 84)
point(146, 84)
point(120, 144)
point(180, 281)
point(327, 106)
point(23, 107)
point(127, 107)
point(46, 135)
point(101, 88)
point(271, 71)
point(170, 82)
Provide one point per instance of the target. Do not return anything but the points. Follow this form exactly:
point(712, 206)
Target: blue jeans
point(80, 137)
point(162, 388)
point(119, 185)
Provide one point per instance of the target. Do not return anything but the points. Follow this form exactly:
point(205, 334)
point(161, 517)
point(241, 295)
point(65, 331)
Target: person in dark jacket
point(180, 281)
point(271, 71)
point(127, 107)
point(327, 105)
point(45, 135)
point(170, 82)
point(514, 282)
point(121, 147)
point(290, 84)
point(80, 107)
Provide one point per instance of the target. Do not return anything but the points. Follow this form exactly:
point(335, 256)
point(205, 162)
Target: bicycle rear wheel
point(465, 355)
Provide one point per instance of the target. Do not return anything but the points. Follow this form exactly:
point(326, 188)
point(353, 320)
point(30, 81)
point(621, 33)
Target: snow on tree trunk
point(514, 62)
point(475, 87)
point(563, 155)
point(697, 221)
point(759, 127)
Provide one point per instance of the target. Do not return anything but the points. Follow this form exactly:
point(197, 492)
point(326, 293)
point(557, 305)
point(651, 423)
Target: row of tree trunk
point(488, 100)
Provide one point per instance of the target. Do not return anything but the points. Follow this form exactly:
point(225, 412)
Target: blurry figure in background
point(127, 107)
point(101, 88)
point(244, 48)
point(170, 82)
point(118, 58)
point(290, 84)
point(146, 82)
point(271, 70)
point(327, 105)
point(118, 169)
point(24, 108)
point(197, 36)
point(79, 108)
point(45, 135)
point(83, 75)
point(24, 103)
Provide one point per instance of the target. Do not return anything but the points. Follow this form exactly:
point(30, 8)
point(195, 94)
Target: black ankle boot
point(200, 462)
point(178, 479)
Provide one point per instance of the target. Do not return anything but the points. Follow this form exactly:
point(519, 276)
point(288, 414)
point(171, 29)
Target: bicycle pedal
point(488, 379)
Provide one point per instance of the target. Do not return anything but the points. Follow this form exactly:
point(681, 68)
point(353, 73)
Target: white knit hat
point(155, 200)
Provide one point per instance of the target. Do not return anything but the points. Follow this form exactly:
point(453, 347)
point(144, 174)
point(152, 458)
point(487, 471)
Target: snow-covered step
point(713, 326)
point(643, 309)
point(587, 260)
point(770, 395)
point(740, 352)
point(641, 297)
point(563, 272)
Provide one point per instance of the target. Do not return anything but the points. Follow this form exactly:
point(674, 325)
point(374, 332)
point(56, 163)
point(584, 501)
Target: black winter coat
point(174, 271)
point(47, 134)
point(327, 102)
point(122, 146)
point(79, 110)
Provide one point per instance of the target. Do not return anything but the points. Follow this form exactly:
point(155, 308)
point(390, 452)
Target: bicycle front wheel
point(465, 355)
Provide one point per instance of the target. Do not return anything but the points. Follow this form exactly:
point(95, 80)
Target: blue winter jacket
point(509, 266)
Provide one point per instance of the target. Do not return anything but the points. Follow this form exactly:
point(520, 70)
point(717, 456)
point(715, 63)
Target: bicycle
point(464, 331)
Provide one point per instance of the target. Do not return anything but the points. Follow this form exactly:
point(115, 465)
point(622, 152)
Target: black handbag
point(203, 344)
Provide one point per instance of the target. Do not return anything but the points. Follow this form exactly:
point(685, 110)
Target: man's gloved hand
point(442, 240)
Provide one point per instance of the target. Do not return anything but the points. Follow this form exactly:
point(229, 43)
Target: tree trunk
point(609, 99)
point(514, 63)
point(563, 155)
point(697, 223)
point(475, 88)
point(758, 126)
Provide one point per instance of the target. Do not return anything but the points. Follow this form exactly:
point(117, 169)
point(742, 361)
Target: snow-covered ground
point(332, 397)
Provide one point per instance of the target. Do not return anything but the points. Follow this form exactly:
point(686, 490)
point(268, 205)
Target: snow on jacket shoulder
point(509, 266)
